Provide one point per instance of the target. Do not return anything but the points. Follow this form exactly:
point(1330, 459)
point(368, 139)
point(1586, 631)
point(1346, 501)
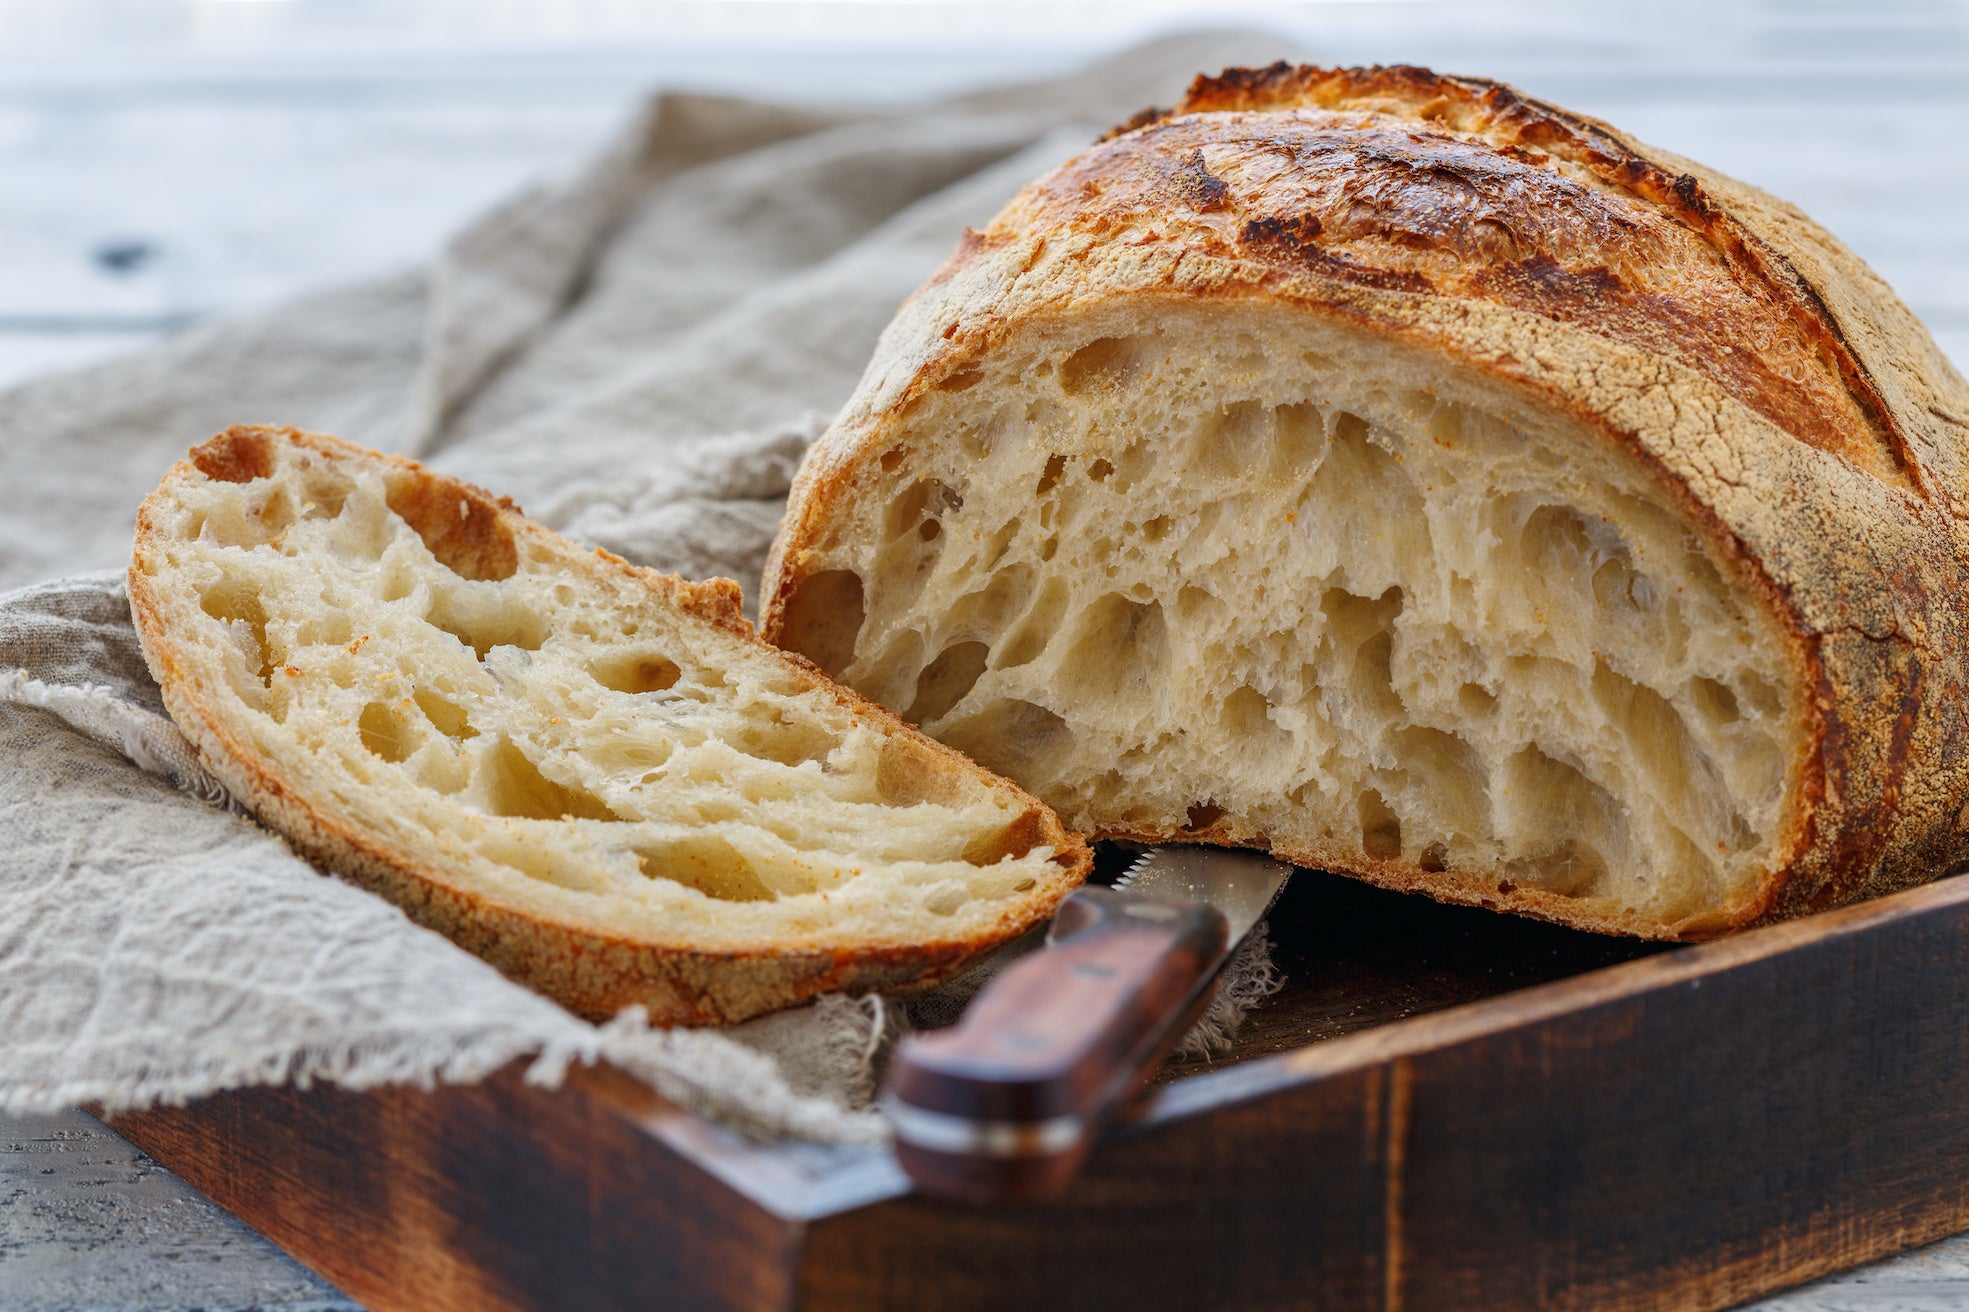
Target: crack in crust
point(1399, 179)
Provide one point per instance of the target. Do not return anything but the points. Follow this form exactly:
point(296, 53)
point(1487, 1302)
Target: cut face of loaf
point(592, 774)
point(1265, 581)
point(1425, 483)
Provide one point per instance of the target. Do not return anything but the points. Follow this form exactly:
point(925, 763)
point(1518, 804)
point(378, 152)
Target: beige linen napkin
point(639, 355)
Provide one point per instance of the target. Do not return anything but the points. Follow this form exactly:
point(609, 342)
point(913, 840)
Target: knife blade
point(1006, 1103)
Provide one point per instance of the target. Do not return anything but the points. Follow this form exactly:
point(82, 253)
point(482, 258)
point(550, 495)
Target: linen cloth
point(639, 355)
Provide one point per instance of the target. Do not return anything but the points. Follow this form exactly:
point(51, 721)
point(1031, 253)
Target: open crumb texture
point(593, 774)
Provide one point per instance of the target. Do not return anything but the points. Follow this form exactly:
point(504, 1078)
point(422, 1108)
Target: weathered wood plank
point(492, 1196)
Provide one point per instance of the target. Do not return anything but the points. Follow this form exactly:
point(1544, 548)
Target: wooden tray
point(1444, 1109)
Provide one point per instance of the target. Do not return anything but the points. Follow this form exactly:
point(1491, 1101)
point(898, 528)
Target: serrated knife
point(1006, 1103)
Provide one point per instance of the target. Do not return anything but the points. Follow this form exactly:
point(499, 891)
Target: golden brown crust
point(1797, 412)
point(1396, 179)
point(590, 972)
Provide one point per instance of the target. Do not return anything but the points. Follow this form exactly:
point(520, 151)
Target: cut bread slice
point(1422, 483)
point(591, 774)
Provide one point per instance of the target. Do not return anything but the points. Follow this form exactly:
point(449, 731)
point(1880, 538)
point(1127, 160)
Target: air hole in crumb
point(383, 734)
point(1104, 364)
point(1715, 701)
point(926, 498)
point(1445, 425)
point(276, 513)
point(1099, 471)
point(1036, 628)
point(1246, 717)
point(1194, 604)
point(1202, 815)
point(1367, 625)
point(960, 381)
point(709, 865)
point(1381, 828)
point(1703, 574)
point(483, 622)
point(1238, 440)
point(1574, 823)
point(1475, 701)
point(1506, 887)
point(1763, 698)
point(447, 718)
point(332, 628)
point(1558, 538)
point(461, 525)
point(891, 458)
point(1120, 647)
point(1435, 858)
point(1656, 736)
point(823, 617)
point(1050, 477)
point(1299, 441)
point(787, 741)
point(928, 530)
point(1617, 587)
point(399, 578)
point(1007, 736)
point(239, 607)
point(326, 493)
point(515, 787)
point(637, 672)
point(1574, 869)
point(989, 609)
point(946, 681)
point(1350, 429)
point(1015, 840)
point(1448, 770)
point(622, 754)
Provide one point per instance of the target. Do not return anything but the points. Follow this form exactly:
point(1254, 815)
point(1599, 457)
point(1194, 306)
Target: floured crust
point(567, 947)
point(1794, 411)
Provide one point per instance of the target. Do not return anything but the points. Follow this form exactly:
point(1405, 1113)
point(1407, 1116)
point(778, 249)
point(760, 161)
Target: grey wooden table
point(161, 163)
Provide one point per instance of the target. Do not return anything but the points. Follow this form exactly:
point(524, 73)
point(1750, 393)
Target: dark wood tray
point(1443, 1109)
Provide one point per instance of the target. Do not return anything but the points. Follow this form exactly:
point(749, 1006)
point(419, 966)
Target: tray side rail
point(1684, 1131)
point(498, 1196)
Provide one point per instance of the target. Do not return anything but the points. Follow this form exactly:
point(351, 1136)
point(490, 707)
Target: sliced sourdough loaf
point(593, 775)
point(1424, 483)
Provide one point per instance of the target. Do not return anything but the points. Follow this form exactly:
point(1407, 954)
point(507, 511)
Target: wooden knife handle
point(1006, 1103)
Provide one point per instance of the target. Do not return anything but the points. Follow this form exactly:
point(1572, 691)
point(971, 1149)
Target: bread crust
point(588, 970)
point(1621, 284)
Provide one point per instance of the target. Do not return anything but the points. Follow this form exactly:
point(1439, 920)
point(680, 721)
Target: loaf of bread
point(593, 775)
point(1424, 483)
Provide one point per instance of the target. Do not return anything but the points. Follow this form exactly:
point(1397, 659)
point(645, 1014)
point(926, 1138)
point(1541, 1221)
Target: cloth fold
point(640, 355)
